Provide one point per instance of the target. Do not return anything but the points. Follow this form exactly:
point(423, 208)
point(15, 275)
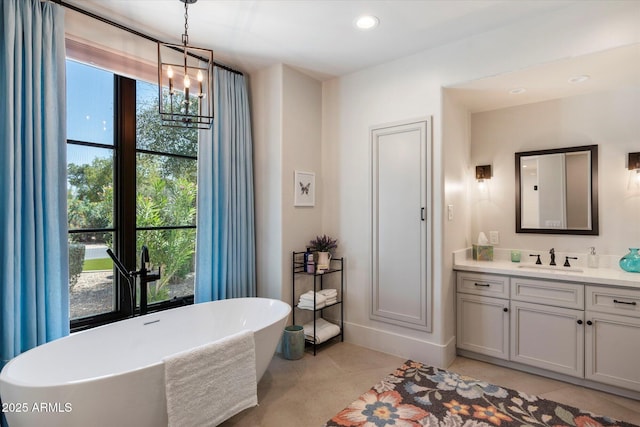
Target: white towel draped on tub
point(211, 383)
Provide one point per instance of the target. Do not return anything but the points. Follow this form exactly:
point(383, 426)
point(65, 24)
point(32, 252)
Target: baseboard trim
point(438, 355)
point(553, 375)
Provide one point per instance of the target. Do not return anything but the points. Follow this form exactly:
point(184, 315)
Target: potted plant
point(323, 245)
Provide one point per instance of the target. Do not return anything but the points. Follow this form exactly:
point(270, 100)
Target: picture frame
point(304, 189)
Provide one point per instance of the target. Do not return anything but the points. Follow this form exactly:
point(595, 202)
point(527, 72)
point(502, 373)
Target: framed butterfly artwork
point(304, 189)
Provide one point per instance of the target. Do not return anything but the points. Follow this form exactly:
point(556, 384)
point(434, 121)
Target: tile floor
point(309, 391)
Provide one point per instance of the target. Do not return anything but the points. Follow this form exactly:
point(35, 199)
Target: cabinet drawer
point(559, 294)
point(484, 284)
point(625, 302)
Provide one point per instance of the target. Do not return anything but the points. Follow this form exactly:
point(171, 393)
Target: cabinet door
point(548, 337)
point(483, 325)
point(401, 227)
point(612, 348)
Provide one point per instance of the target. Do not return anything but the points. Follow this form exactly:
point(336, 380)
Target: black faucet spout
point(144, 258)
point(553, 256)
point(566, 261)
point(145, 278)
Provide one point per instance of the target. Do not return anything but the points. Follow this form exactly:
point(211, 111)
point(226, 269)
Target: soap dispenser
point(592, 258)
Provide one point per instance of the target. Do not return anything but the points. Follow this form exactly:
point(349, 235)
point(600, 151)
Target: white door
point(548, 337)
point(612, 349)
point(401, 220)
point(483, 325)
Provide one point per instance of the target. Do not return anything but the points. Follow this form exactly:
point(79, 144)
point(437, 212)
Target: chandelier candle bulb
point(200, 84)
point(170, 75)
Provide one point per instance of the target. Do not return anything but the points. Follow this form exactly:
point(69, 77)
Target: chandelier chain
point(186, 21)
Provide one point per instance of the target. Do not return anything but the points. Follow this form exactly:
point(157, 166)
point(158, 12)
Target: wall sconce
point(634, 170)
point(482, 173)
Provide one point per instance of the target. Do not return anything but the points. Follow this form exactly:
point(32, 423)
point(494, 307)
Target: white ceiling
point(318, 37)
point(617, 68)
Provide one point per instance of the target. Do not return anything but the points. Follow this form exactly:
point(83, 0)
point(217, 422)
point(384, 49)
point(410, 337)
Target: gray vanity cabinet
point(483, 314)
point(582, 333)
point(547, 325)
point(548, 337)
point(612, 336)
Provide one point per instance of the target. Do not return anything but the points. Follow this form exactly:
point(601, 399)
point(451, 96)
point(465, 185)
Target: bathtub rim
point(11, 381)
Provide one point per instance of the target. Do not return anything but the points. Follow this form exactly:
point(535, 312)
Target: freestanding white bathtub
point(113, 375)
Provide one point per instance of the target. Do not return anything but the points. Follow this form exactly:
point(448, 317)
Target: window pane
point(151, 134)
point(91, 275)
point(89, 104)
point(174, 251)
point(89, 187)
point(166, 191)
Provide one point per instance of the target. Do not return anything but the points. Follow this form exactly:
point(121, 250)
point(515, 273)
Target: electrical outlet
point(494, 237)
point(450, 212)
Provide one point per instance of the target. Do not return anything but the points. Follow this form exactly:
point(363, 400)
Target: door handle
point(421, 214)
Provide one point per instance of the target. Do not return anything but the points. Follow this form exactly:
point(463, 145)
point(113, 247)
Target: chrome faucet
point(553, 256)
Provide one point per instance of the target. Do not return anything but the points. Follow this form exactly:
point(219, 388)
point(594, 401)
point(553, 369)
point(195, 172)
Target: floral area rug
point(421, 395)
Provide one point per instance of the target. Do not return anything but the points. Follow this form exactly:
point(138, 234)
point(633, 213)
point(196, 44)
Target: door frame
point(423, 320)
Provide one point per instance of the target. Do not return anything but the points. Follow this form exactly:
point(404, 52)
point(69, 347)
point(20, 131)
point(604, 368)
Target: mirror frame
point(594, 230)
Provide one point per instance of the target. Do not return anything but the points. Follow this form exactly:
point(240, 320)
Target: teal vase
point(293, 342)
point(631, 261)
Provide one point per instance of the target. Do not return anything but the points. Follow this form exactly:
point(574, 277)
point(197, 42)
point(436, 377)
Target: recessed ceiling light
point(366, 22)
point(517, 91)
point(579, 79)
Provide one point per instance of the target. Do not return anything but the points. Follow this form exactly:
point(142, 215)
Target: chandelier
point(185, 82)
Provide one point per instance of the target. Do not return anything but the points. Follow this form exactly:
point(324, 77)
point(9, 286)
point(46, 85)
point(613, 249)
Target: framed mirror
point(557, 191)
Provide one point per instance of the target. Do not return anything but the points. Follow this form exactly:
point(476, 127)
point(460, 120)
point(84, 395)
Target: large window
point(131, 182)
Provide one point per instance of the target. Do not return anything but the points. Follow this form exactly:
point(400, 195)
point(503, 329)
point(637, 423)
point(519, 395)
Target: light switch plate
point(494, 237)
point(450, 212)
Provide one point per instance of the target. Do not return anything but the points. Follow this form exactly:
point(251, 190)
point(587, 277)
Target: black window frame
point(124, 221)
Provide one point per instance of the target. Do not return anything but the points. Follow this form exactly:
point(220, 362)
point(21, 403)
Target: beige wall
point(286, 107)
point(266, 110)
point(608, 119)
point(301, 128)
point(412, 87)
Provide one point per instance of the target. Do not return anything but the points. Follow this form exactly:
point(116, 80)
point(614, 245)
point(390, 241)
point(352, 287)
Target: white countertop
point(609, 274)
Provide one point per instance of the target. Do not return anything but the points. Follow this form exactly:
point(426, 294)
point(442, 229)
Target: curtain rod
point(127, 29)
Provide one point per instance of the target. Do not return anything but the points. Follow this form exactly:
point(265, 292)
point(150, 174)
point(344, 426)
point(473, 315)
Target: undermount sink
point(552, 268)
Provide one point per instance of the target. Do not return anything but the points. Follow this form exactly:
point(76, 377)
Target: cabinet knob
point(589, 322)
point(579, 322)
point(505, 309)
